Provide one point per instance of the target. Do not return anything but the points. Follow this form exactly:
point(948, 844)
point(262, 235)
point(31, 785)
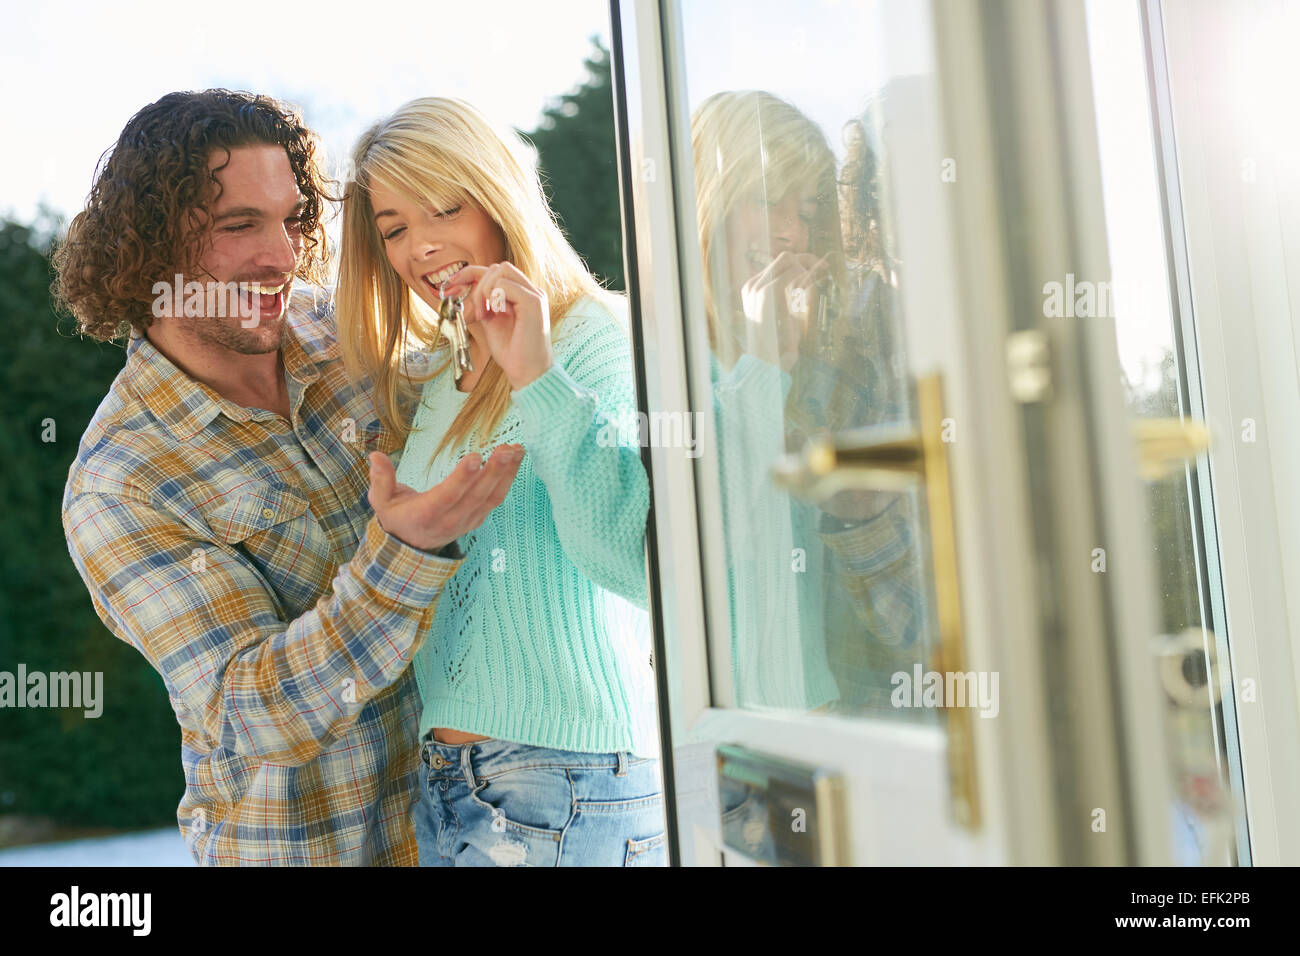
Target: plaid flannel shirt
point(859, 380)
point(237, 552)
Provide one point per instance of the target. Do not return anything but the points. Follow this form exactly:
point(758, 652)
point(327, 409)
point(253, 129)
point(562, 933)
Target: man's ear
point(193, 243)
point(175, 274)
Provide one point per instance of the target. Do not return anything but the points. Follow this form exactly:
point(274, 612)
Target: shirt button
point(268, 513)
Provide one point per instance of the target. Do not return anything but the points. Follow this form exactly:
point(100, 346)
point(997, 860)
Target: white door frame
point(1079, 728)
point(1234, 244)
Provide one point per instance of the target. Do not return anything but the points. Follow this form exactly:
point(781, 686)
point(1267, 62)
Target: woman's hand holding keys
point(515, 315)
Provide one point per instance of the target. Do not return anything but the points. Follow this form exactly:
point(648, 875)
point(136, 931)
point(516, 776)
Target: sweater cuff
point(549, 393)
point(401, 573)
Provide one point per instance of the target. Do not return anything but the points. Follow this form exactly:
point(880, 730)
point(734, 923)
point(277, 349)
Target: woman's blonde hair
point(745, 141)
point(441, 152)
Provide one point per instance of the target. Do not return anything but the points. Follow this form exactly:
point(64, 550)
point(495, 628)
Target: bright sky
point(859, 44)
point(74, 72)
point(1130, 189)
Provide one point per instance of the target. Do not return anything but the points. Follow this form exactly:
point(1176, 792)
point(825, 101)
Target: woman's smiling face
point(425, 245)
point(757, 230)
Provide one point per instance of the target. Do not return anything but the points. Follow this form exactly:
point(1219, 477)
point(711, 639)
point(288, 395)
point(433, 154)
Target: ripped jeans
point(497, 803)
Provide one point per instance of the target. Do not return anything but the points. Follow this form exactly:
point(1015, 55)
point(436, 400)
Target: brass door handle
point(883, 457)
point(892, 458)
point(1165, 443)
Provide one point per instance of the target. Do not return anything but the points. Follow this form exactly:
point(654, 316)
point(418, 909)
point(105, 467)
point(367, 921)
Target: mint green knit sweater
point(541, 636)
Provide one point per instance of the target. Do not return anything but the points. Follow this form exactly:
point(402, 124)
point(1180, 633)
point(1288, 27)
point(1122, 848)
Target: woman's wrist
point(451, 550)
point(523, 380)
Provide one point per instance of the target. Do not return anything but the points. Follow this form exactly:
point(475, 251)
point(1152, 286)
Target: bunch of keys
point(451, 315)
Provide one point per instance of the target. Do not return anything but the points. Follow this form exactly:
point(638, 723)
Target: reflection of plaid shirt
point(854, 381)
point(239, 555)
point(798, 639)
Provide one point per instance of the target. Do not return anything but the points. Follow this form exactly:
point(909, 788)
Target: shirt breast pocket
point(254, 509)
point(273, 526)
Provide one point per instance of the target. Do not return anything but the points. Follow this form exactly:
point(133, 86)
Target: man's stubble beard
point(215, 333)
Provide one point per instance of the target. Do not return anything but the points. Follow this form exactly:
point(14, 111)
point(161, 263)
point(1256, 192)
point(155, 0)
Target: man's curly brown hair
point(135, 229)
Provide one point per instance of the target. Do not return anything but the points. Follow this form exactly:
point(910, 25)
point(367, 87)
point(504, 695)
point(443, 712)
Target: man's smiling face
point(254, 236)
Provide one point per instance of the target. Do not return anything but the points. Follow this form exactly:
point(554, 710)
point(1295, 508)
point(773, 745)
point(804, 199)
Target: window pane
point(826, 604)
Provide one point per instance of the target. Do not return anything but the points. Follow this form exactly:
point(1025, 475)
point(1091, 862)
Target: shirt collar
point(185, 406)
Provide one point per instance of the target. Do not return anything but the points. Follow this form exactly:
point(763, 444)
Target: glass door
point(903, 589)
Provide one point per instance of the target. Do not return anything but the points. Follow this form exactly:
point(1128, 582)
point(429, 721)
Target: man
point(218, 509)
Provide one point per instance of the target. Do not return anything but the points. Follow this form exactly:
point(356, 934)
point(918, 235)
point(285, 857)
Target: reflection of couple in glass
point(448, 660)
point(824, 598)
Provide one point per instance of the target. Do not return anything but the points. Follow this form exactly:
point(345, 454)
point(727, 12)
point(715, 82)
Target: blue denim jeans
point(745, 823)
point(497, 803)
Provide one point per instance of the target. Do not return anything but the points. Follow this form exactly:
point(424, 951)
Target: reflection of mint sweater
point(541, 636)
point(774, 555)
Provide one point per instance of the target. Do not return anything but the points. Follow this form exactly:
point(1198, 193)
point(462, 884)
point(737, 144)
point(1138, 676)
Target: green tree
point(121, 769)
point(575, 146)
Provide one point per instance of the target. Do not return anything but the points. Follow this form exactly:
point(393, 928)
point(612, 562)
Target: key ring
point(451, 314)
point(457, 301)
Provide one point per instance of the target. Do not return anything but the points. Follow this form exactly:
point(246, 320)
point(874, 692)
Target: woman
point(538, 723)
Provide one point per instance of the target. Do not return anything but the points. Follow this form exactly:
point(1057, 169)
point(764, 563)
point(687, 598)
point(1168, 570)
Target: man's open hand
point(432, 519)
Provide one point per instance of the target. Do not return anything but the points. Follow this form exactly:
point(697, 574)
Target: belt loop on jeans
point(622, 764)
point(466, 767)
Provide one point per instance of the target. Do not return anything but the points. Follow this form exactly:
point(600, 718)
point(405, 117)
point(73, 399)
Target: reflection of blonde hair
point(443, 153)
point(746, 142)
